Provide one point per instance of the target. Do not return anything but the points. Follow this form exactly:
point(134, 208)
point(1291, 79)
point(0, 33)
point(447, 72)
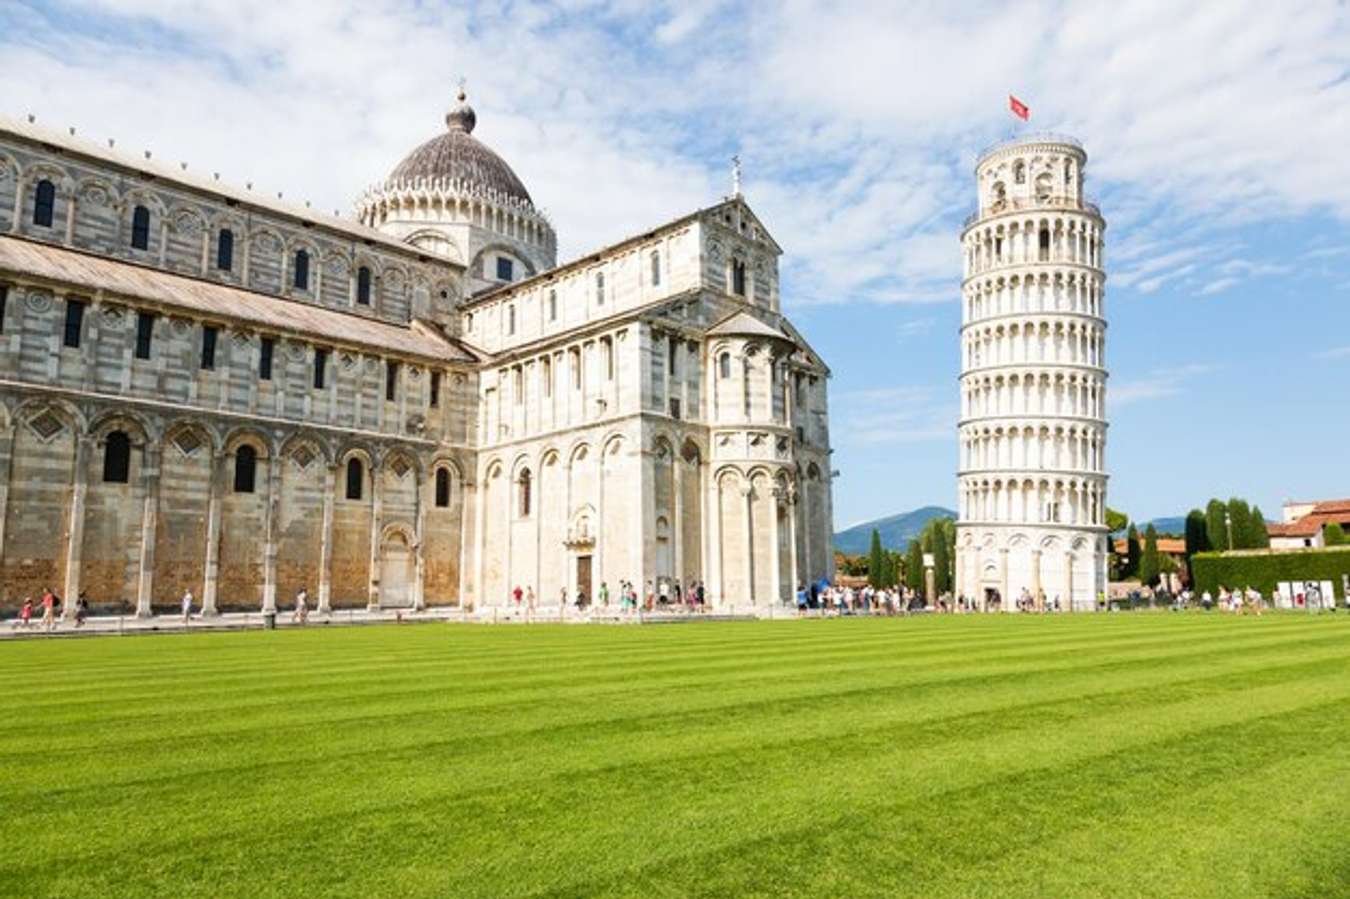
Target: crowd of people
point(661, 595)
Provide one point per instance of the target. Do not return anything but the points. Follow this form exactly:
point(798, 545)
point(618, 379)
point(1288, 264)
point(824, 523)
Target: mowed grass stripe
point(203, 731)
point(301, 691)
point(512, 809)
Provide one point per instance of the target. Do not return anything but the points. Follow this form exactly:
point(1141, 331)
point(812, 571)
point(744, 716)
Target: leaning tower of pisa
point(1032, 477)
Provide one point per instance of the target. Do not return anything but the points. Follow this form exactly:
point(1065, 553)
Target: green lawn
point(1109, 755)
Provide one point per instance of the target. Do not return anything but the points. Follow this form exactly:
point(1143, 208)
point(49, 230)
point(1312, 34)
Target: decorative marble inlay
point(303, 457)
point(46, 425)
point(188, 442)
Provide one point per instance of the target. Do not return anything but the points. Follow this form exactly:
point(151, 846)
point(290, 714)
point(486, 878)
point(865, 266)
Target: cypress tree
point(876, 562)
point(1197, 540)
point(1132, 552)
point(1148, 563)
point(1257, 535)
point(1334, 535)
point(1214, 525)
point(1241, 515)
point(942, 579)
point(914, 566)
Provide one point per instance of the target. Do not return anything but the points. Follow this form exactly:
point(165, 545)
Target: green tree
point(1240, 515)
point(876, 561)
point(1132, 553)
point(1197, 537)
point(1148, 562)
point(1334, 535)
point(1116, 521)
point(914, 566)
point(1257, 535)
point(1214, 526)
point(942, 570)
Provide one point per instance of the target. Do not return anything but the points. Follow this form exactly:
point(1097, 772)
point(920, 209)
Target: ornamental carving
point(303, 457)
point(96, 195)
point(187, 442)
point(187, 224)
point(112, 316)
point(39, 301)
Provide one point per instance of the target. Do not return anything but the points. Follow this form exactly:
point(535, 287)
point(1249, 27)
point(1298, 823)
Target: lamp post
point(1228, 523)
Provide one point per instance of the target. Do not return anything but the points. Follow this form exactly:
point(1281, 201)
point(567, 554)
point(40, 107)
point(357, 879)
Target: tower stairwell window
point(738, 277)
point(356, 476)
point(145, 330)
point(523, 486)
point(245, 468)
point(553, 305)
point(44, 202)
point(140, 228)
point(117, 458)
point(599, 288)
point(225, 250)
point(442, 488)
point(363, 285)
point(301, 278)
point(505, 269)
point(74, 328)
point(656, 269)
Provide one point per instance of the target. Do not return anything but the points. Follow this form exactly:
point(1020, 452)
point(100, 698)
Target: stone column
point(1068, 579)
point(145, 587)
point(677, 530)
point(467, 540)
point(376, 514)
point(776, 536)
point(748, 506)
point(269, 602)
point(794, 574)
point(18, 206)
point(1036, 576)
point(75, 526)
point(419, 554)
point(1003, 576)
point(326, 547)
point(213, 514)
point(6, 471)
point(479, 514)
point(70, 218)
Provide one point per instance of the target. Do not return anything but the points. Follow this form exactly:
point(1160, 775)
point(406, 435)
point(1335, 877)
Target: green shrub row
point(1263, 570)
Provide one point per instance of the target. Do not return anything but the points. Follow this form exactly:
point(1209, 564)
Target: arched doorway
point(396, 572)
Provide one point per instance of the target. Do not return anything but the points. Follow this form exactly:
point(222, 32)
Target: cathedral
point(206, 389)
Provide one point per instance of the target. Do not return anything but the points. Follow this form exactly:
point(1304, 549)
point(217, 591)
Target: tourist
point(529, 599)
point(700, 597)
point(48, 609)
point(187, 605)
point(301, 613)
point(562, 598)
point(25, 614)
point(604, 594)
point(1206, 601)
point(81, 608)
point(650, 598)
point(801, 599)
point(517, 594)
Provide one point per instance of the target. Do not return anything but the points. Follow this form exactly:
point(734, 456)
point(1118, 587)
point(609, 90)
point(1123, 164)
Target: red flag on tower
point(1019, 109)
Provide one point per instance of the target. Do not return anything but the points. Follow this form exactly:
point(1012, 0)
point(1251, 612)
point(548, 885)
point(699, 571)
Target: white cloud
point(893, 415)
point(1340, 352)
point(1218, 285)
point(859, 124)
point(1158, 384)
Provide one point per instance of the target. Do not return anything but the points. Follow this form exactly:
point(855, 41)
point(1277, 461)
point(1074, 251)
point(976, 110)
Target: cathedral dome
point(458, 157)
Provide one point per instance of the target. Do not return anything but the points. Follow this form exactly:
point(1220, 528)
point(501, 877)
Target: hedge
point(1263, 569)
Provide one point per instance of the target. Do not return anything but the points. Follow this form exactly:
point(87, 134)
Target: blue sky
point(1217, 137)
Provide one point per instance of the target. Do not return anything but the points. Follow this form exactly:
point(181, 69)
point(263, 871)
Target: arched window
point(140, 228)
point(363, 286)
point(510, 319)
point(116, 458)
point(738, 277)
point(553, 305)
point(245, 468)
point(225, 250)
point(301, 280)
point(1000, 193)
point(1019, 172)
point(44, 203)
point(1045, 244)
point(599, 288)
point(1044, 185)
point(356, 476)
point(656, 268)
point(724, 365)
point(442, 488)
point(523, 489)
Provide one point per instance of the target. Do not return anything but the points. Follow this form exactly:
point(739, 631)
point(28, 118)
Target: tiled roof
point(91, 274)
point(1172, 546)
point(745, 324)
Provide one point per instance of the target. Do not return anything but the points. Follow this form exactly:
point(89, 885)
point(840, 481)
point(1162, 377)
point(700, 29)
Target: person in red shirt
point(48, 609)
point(25, 613)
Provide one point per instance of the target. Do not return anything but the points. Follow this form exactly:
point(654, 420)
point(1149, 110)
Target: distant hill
point(1174, 525)
point(896, 531)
